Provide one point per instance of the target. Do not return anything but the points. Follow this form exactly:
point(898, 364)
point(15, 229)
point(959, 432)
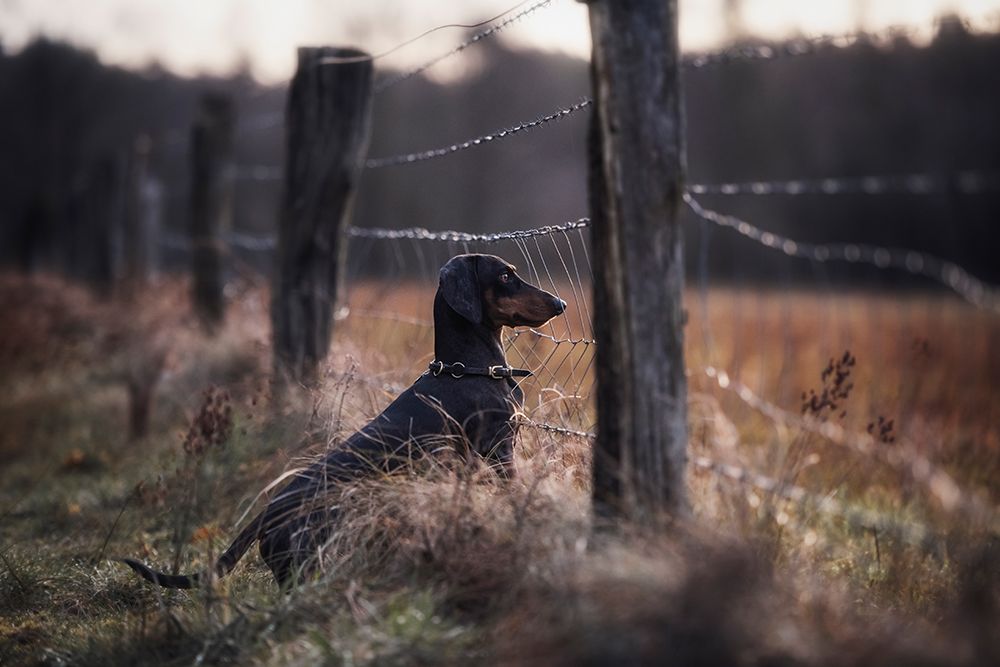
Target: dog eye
point(505, 277)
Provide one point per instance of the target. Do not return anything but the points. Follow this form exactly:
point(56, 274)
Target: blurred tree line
point(68, 126)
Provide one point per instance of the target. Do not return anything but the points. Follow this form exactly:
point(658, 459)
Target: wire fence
point(391, 276)
point(963, 182)
point(491, 31)
point(793, 48)
point(407, 158)
point(946, 273)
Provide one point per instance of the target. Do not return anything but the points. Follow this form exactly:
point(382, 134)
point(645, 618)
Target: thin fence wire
point(914, 533)
point(862, 518)
point(393, 79)
point(917, 263)
point(450, 236)
point(963, 182)
point(902, 457)
point(343, 60)
point(497, 135)
point(797, 47)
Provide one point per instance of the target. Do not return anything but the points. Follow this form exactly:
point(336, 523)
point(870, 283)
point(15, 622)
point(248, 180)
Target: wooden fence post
point(635, 182)
point(212, 176)
point(328, 120)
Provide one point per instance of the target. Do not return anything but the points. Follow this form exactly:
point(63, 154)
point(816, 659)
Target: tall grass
point(447, 564)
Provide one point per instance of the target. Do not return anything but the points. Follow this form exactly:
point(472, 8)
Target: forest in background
point(864, 110)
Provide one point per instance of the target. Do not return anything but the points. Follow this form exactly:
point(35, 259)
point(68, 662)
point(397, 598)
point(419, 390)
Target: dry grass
point(447, 565)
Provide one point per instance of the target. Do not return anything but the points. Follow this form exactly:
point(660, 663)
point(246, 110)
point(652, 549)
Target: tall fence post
point(636, 176)
point(212, 178)
point(328, 121)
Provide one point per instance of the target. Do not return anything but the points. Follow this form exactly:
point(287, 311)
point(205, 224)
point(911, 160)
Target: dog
point(468, 388)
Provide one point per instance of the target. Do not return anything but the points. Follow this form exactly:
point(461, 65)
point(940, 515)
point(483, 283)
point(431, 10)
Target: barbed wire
point(900, 456)
point(392, 80)
point(552, 428)
point(964, 182)
point(269, 173)
point(409, 158)
point(421, 234)
point(795, 47)
point(255, 242)
point(857, 517)
point(914, 262)
point(343, 60)
point(538, 334)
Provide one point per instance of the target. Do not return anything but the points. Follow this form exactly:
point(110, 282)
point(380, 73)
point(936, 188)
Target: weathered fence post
point(328, 120)
point(636, 179)
point(212, 176)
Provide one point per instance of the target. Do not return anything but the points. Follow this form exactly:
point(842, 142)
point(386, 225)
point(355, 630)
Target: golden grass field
point(451, 566)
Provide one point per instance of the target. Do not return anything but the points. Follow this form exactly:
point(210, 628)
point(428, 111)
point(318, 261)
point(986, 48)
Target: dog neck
point(458, 339)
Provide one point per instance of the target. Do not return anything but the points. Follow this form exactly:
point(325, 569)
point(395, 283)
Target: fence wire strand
point(343, 60)
point(505, 133)
point(421, 234)
point(392, 80)
point(964, 182)
point(914, 262)
point(902, 457)
point(911, 532)
point(795, 47)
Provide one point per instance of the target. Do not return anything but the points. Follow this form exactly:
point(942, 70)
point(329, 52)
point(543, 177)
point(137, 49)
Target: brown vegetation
point(451, 566)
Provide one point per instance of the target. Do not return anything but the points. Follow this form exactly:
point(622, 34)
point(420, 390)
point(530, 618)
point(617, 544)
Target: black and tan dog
point(468, 389)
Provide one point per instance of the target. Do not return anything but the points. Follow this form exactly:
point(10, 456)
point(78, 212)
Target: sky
point(214, 36)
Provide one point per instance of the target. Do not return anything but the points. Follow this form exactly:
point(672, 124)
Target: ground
point(880, 409)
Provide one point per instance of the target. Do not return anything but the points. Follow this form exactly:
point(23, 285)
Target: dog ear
point(459, 285)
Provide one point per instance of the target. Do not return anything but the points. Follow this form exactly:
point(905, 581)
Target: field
point(882, 406)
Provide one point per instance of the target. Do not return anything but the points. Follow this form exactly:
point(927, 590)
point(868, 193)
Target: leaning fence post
point(328, 120)
point(212, 175)
point(635, 180)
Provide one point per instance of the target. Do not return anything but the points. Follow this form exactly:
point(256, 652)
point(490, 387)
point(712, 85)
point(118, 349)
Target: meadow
point(884, 406)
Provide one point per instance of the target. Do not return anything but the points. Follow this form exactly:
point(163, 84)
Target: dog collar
point(458, 370)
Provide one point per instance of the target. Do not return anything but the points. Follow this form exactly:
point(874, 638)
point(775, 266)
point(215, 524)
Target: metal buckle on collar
point(436, 367)
point(454, 366)
point(497, 372)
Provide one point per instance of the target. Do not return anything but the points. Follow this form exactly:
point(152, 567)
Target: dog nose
point(560, 306)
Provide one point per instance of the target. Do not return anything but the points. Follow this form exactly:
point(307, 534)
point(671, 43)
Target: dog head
point(485, 289)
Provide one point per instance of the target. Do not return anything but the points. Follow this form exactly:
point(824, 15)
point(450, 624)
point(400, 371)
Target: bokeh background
point(82, 81)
